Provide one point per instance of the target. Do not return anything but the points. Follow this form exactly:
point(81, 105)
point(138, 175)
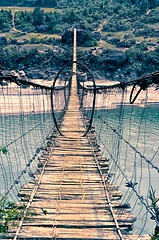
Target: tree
point(51, 21)
point(153, 3)
point(143, 5)
point(38, 16)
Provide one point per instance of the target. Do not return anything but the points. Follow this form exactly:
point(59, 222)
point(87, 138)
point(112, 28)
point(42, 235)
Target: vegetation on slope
point(116, 37)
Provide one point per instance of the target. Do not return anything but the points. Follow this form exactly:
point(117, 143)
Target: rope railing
point(127, 135)
point(144, 82)
point(126, 132)
point(26, 123)
point(130, 145)
point(131, 185)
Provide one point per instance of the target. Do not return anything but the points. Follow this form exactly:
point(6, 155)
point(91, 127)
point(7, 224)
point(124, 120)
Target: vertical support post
point(74, 80)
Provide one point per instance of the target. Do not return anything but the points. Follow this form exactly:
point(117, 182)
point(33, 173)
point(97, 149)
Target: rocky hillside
point(117, 39)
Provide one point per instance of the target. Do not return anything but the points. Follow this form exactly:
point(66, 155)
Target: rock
point(115, 58)
point(19, 42)
point(67, 37)
point(21, 74)
point(36, 74)
point(14, 73)
point(13, 41)
point(127, 43)
point(3, 41)
point(42, 28)
point(114, 40)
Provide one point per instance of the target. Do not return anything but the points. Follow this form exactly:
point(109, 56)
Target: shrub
point(10, 213)
point(5, 20)
point(151, 17)
point(147, 32)
point(114, 25)
point(37, 21)
point(90, 43)
point(142, 61)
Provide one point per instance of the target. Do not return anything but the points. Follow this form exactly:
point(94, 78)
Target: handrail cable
point(105, 188)
point(143, 82)
point(32, 196)
point(130, 184)
point(24, 170)
point(130, 145)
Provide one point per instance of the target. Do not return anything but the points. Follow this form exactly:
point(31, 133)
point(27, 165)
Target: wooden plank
point(70, 234)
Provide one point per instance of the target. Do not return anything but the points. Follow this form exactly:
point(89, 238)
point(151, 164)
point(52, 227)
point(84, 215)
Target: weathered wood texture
point(70, 202)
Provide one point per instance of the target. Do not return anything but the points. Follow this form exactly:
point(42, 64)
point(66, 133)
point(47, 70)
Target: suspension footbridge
point(71, 193)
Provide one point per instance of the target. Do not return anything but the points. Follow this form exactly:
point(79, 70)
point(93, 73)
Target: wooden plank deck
point(72, 194)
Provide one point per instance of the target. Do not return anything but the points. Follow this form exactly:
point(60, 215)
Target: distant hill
point(117, 37)
point(70, 3)
point(29, 3)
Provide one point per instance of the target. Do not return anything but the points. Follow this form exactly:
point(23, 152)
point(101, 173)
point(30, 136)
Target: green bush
point(37, 21)
point(147, 32)
point(142, 61)
point(151, 17)
point(11, 58)
point(5, 20)
point(10, 213)
point(114, 25)
point(90, 43)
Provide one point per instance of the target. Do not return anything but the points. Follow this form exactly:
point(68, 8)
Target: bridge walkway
point(70, 202)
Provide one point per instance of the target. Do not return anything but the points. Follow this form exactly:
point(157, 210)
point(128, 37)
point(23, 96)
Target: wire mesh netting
point(128, 137)
point(26, 123)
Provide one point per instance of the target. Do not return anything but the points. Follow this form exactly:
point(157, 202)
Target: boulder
point(21, 73)
point(42, 28)
point(3, 41)
point(126, 44)
point(67, 37)
point(114, 40)
point(13, 41)
point(114, 58)
point(20, 42)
